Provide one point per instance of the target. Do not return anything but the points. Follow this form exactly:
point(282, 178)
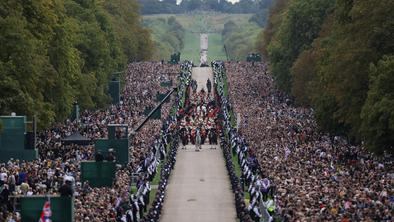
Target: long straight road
point(199, 189)
point(201, 75)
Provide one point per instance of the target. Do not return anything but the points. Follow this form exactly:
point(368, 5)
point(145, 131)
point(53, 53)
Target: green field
point(191, 51)
point(194, 24)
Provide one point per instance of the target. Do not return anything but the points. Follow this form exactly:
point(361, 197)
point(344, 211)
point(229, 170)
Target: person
point(4, 194)
point(194, 86)
point(198, 139)
point(209, 86)
point(66, 190)
point(184, 137)
point(99, 157)
point(111, 157)
point(212, 138)
point(255, 212)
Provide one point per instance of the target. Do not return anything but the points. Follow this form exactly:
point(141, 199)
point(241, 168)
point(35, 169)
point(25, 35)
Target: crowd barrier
point(230, 132)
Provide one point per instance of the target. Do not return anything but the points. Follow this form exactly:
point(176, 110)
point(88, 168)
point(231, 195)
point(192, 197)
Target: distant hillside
point(244, 33)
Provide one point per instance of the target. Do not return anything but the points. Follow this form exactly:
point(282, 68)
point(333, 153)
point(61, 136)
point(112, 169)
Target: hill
point(213, 23)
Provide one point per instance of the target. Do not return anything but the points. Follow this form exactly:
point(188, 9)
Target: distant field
point(195, 23)
point(191, 51)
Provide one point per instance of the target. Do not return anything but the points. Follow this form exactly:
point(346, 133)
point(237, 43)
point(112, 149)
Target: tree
point(300, 26)
point(275, 19)
point(363, 33)
point(377, 127)
point(53, 52)
point(344, 71)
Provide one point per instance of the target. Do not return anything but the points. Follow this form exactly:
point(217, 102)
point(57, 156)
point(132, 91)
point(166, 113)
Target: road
point(199, 189)
point(201, 75)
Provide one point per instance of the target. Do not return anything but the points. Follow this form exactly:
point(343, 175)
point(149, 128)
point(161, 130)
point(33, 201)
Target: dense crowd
point(225, 141)
point(317, 177)
point(171, 131)
point(58, 164)
point(199, 122)
point(306, 174)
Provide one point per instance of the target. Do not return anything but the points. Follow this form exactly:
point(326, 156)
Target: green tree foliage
point(239, 40)
point(377, 114)
point(168, 36)
point(260, 17)
point(299, 27)
point(170, 6)
point(362, 33)
point(274, 20)
point(53, 52)
point(342, 67)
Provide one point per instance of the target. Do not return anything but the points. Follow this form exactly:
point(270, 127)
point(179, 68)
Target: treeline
point(55, 52)
point(243, 6)
point(168, 36)
point(239, 39)
point(337, 56)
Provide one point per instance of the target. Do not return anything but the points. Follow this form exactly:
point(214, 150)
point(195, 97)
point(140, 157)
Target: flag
point(46, 212)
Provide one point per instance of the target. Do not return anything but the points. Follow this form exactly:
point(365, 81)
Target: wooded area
point(239, 39)
point(168, 36)
point(55, 52)
point(258, 8)
point(336, 56)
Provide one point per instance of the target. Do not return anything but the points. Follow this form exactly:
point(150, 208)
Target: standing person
point(209, 86)
point(194, 86)
point(198, 139)
point(184, 137)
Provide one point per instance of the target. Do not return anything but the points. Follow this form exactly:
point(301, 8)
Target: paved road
point(199, 188)
point(201, 74)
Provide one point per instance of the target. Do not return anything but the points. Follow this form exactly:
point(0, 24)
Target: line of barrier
point(262, 206)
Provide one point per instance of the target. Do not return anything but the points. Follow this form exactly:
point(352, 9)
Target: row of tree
point(337, 56)
point(239, 40)
point(171, 6)
point(168, 36)
point(53, 52)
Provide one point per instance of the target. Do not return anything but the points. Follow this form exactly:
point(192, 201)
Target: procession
point(196, 111)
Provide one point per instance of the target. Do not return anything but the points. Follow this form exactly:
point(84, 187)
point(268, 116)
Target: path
point(199, 189)
point(201, 75)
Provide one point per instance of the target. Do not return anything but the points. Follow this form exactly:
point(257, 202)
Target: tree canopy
point(55, 52)
point(336, 56)
point(168, 36)
point(259, 7)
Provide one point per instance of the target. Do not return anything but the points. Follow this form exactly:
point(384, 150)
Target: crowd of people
point(172, 132)
point(59, 163)
point(297, 172)
point(225, 142)
point(316, 176)
point(261, 193)
point(199, 122)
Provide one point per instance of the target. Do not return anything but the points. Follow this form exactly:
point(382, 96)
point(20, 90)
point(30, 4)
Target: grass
point(156, 179)
point(152, 195)
point(237, 167)
point(191, 50)
point(216, 49)
point(194, 24)
point(204, 20)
